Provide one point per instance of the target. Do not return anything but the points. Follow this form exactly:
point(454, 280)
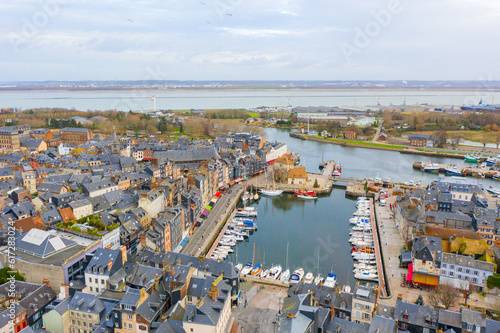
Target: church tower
point(115, 145)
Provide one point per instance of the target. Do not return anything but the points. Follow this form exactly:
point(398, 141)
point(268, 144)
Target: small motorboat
point(319, 279)
point(297, 276)
point(285, 276)
point(247, 269)
point(309, 278)
point(274, 272)
point(257, 269)
point(330, 281)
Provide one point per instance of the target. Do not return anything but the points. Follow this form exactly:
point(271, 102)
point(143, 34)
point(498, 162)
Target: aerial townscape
point(229, 166)
point(168, 232)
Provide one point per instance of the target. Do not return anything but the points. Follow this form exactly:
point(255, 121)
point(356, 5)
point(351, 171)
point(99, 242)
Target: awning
point(205, 213)
point(231, 183)
point(409, 276)
point(217, 194)
point(425, 279)
point(209, 207)
point(184, 241)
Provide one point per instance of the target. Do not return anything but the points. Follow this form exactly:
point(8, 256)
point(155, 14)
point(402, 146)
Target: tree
point(497, 139)
point(472, 289)
point(5, 274)
point(316, 185)
point(366, 187)
point(420, 300)
point(455, 139)
point(441, 136)
point(445, 295)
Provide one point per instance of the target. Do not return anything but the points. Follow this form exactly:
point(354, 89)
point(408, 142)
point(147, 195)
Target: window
point(129, 317)
point(90, 288)
point(426, 330)
point(96, 280)
point(102, 281)
point(129, 326)
point(476, 273)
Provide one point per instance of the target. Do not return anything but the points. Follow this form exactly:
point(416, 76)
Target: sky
point(249, 40)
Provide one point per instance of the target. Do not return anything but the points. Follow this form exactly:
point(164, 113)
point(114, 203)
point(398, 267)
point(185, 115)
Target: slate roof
point(86, 303)
point(42, 243)
point(101, 259)
point(177, 156)
point(417, 314)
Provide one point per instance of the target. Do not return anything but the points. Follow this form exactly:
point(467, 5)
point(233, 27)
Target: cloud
point(279, 39)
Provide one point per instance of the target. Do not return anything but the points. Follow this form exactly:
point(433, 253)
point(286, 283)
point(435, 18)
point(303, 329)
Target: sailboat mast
point(253, 257)
point(286, 266)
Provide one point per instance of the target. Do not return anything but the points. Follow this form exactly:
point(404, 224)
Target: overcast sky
point(249, 39)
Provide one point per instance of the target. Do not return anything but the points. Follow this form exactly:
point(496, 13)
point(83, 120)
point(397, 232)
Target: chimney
point(46, 281)
point(110, 264)
point(311, 293)
point(157, 283)
point(64, 291)
point(142, 237)
point(123, 250)
point(332, 313)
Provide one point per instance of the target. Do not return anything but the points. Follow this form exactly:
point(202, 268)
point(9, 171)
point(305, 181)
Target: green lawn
point(364, 143)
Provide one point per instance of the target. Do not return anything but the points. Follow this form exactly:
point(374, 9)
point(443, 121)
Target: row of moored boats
point(276, 273)
point(238, 230)
point(362, 241)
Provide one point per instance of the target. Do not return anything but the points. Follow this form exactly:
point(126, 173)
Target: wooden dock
point(472, 170)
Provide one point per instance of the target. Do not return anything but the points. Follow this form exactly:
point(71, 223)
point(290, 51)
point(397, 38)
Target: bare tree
point(472, 289)
point(445, 296)
point(455, 139)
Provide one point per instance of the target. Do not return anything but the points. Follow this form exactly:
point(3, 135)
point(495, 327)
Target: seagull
point(131, 20)
point(229, 14)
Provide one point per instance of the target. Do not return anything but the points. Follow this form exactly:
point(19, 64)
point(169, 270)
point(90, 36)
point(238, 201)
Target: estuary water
point(140, 99)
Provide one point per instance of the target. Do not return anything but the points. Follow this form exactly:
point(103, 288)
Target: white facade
point(96, 283)
point(83, 211)
point(276, 152)
point(153, 206)
point(138, 155)
point(63, 150)
point(111, 239)
point(465, 268)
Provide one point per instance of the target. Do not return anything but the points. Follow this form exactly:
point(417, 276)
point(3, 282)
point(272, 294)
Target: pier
point(258, 279)
point(221, 233)
point(378, 254)
point(473, 171)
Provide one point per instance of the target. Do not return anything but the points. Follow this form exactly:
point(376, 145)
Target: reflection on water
point(315, 230)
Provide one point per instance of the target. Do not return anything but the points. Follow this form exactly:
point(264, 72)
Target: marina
point(478, 171)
